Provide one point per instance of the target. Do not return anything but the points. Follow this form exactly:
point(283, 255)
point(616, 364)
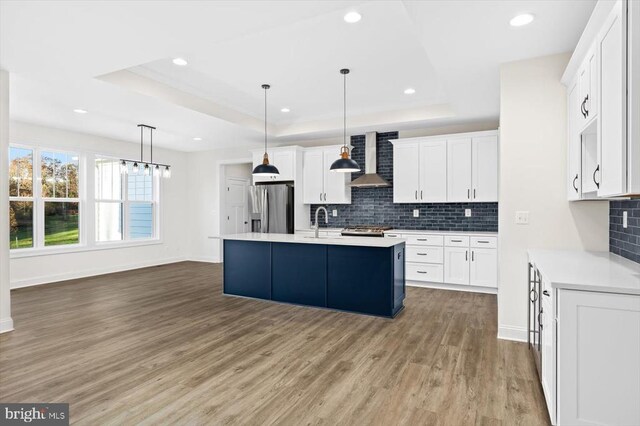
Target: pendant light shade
point(265, 169)
point(345, 163)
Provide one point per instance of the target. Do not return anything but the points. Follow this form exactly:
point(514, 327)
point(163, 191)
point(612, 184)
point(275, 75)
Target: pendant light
point(265, 169)
point(345, 164)
point(147, 167)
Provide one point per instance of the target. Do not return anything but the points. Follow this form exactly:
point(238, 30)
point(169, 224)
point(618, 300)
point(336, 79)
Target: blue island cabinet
point(361, 279)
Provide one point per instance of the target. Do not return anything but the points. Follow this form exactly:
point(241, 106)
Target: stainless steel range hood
point(370, 179)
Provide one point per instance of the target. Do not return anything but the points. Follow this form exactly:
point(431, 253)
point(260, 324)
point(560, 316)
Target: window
point(126, 205)
point(47, 214)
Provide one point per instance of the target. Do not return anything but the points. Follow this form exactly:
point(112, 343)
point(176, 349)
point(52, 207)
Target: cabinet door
point(598, 353)
point(433, 171)
point(484, 167)
point(336, 190)
point(313, 178)
point(283, 160)
point(484, 267)
point(574, 153)
point(548, 340)
point(456, 265)
point(459, 170)
point(612, 123)
point(406, 173)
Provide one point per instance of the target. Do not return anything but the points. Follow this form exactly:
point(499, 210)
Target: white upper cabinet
point(336, 189)
point(406, 172)
point(603, 84)
point(459, 170)
point(320, 185)
point(282, 158)
point(446, 168)
point(612, 48)
point(484, 167)
point(433, 171)
point(313, 177)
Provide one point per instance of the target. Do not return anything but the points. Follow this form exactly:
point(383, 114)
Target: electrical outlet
point(334, 213)
point(522, 218)
point(467, 212)
point(416, 213)
point(624, 219)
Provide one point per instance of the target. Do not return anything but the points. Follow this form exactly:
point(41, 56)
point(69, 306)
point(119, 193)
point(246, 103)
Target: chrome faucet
point(326, 218)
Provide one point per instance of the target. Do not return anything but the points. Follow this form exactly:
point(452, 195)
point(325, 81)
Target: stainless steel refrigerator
point(271, 208)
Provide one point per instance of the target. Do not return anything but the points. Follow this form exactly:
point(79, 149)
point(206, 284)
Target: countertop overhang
point(587, 270)
point(302, 239)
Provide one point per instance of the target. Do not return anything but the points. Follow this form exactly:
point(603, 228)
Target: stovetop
point(366, 230)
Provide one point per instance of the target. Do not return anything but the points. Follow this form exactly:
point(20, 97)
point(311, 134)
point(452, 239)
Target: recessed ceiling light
point(197, 139)
point(521, 20)
point(409, 91)
point(285, 110)
point(180, 61)
point(352, 17)
point(80, 111)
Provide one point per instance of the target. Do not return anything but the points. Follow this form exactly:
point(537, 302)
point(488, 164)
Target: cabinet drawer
point(425, 254)
point(425, 272)
point(484, 242)
point(425, 240)
point(456, 241)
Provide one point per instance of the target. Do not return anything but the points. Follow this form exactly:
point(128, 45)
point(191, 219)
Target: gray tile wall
point(625, 242)
point(374, 206)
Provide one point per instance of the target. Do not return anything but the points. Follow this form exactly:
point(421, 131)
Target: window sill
point(79, 248)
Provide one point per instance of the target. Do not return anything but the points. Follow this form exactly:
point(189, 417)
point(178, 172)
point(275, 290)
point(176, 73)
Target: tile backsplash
point(625, 241)
point(374, 206)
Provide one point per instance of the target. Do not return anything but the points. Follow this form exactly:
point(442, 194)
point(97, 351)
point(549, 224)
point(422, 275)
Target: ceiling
point(114, 59)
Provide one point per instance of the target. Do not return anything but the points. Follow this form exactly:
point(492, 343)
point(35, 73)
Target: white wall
point(174, 225)
point(533, 142)
point(6, 323)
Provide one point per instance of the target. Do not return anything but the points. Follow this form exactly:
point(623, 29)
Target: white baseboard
point(71, 275)
point(455, 287)
point(204, 259)
point(6, 325)
point(507, 332)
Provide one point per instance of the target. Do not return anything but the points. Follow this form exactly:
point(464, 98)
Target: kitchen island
point(356, 274)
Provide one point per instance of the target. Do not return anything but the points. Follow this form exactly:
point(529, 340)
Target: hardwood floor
point(162, 345)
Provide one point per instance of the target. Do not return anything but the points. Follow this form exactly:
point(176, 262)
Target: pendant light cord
point(141, 145)
point(151, 146)
point(265, 119)
point(344, 135)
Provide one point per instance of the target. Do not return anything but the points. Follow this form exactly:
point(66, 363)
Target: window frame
point(86, 207)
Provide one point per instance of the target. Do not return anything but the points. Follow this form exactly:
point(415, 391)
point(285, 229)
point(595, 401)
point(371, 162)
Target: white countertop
point(302, 239)
point(587, 270)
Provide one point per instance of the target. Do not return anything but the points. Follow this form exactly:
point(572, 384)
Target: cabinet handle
point(540, 318)
point(546, 293)
point(421, 239)
point(584, 114)
point(421, 272)
point(421, 254)
point(535, 295)
point(416, 194)
point(456, 241)
point(574, 183)
point(482, 242)
point(321, 196)
point(594, 176)
point(468, 194)
point(421, 194)
point(325, 196)
point(392, 235)
point(474, 193)
point(466, 255)
point(472, 256)
point(586, 111)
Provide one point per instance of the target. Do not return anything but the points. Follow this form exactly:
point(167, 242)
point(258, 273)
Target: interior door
point(456, 265)
point(459, 170)
point(433, 171)
point(236, 204)
point(406, 172)
point(612, 47)
point(313, 178)
point(335, 183)
point(484, 167)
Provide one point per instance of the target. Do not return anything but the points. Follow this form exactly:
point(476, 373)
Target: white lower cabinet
point(456, 265)
point(483, 267)
point(598, 352)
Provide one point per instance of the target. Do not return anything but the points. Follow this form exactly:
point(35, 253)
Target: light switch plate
point(334, 213)
point(624, 219)
point(522, 218)
point(416, 213)
point(467, 212)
